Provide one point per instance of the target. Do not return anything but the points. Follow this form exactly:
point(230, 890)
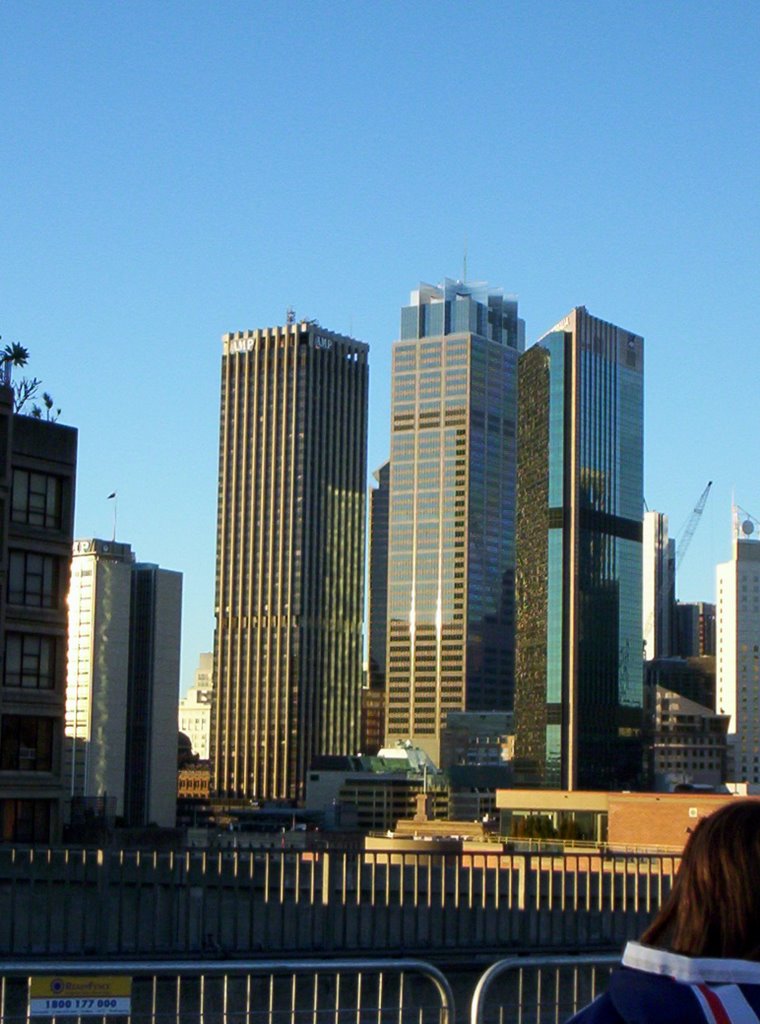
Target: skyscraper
point(373, 694)
point(451, 549)
point(579, 527)
point(290, 557)
point(738, 648)
point(695, 629)
point(123, 682)
point(659, 585)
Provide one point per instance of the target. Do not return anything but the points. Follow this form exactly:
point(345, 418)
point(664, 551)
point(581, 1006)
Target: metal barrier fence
point(235, 992)
point(539, 990)
point(67, 903)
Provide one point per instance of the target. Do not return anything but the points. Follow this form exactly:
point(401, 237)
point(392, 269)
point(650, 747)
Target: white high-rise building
point(123, 682)
point(658, 586)
point(738, 648)
point(195, 707)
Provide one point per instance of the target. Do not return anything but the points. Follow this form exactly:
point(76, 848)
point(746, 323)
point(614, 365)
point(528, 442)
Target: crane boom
point(682, 546)
point(692, 523)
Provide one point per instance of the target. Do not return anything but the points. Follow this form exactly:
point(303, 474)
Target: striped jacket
point(657, 987)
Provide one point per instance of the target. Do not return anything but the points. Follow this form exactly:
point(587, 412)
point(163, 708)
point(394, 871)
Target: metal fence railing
point(226, 992)
point(130, 904)
point(539, 989)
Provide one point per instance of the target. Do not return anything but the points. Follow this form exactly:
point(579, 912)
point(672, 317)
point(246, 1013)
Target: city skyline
point(128, 223)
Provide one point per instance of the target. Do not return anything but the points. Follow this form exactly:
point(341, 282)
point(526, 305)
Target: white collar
point(691, 970)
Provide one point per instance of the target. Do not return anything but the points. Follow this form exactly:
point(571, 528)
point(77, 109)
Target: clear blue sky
point(171, 171)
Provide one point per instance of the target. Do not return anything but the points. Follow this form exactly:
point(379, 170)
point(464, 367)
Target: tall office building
point(373, 694)
point(123, 681)
point(290, 557)
point(695, 629)
point(37, 483)
point(451, 548)
point(658, 586)
point(738, 648)
point(379, 511)
point(578, 705)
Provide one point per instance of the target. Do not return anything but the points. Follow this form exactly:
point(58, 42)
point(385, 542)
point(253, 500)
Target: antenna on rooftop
point(464, 267)
point(290, 315)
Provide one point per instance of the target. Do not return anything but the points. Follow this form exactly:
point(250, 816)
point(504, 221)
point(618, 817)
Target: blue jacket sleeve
point(601, 1011)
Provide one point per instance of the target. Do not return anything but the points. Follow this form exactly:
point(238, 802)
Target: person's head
point(714, 907)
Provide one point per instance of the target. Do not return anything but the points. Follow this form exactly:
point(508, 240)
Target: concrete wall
point(66, 902)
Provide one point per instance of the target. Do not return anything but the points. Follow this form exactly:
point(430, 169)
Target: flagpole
point(115, 496)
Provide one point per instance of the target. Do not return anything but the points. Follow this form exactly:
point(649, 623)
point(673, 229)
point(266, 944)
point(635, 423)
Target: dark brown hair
point(714, 906)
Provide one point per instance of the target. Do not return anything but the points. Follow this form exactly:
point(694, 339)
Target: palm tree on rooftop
point(11, 355)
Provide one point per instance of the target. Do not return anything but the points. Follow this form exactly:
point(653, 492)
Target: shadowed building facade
point(37, 483)
point(452, 477)
point(578, 701)
point(122, 686)
point(290, 557)
point(373, 694)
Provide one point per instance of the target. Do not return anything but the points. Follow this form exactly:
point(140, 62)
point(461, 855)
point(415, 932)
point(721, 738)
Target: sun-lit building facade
point(290, 557)
point(738, 648)
point(451, 534)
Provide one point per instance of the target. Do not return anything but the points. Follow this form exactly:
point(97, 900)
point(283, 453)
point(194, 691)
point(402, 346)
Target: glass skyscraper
point(290, 557)
point(451, 535)
point(578, 700)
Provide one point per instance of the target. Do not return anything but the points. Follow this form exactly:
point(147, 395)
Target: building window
point(33, 579)
point(25, 821)
point(26, 744)
point(29, 661)
point(36, 499)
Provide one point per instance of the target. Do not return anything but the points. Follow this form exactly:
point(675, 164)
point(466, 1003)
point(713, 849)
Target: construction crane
point(692, 523)
point(682, 546)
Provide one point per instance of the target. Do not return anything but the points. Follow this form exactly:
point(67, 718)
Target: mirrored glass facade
point(451, 531)
point(579, 528)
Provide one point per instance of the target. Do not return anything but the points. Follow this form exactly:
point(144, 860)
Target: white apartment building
point(195, 707)
point(738, 648)
point(123, 682)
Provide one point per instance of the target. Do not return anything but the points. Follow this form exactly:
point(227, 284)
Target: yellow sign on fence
point(62, 995)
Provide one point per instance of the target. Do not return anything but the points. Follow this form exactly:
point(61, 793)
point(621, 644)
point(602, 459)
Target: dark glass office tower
point(578, 693)
point(290, 557)
point(451, 548)
point(373, 695)
point(379, 506)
